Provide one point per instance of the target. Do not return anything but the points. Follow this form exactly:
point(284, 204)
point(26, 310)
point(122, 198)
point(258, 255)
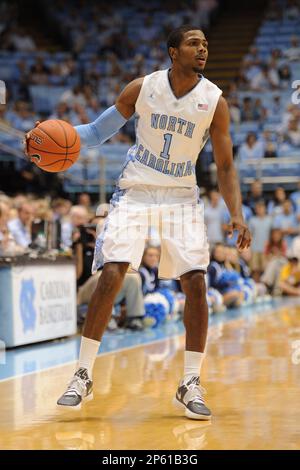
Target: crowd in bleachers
point(109, 45)
point(270, 267)
point(264, 103)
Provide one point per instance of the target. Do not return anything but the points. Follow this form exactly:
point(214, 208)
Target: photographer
point(84, 237)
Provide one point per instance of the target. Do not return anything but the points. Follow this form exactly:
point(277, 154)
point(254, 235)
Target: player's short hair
point(176, 36)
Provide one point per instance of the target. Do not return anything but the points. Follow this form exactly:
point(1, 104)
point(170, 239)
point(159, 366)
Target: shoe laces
point(195, 390)
point(76, 385)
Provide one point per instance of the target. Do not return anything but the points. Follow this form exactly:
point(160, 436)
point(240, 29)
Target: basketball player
point(176, 111)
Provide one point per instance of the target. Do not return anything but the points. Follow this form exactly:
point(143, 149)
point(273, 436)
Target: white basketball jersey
point(170, 132)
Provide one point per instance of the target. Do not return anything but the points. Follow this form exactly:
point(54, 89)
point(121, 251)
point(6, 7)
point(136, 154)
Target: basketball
point(54, 145)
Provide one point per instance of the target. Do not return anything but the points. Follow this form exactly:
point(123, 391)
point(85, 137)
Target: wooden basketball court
point(251, 374)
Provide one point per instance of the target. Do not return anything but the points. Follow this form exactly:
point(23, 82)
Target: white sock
point(87, 355)
point(192, 364)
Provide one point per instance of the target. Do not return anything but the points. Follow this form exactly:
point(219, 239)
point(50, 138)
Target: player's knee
point(193, 283)
point(112, 276)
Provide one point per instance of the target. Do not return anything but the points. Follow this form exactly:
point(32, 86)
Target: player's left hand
point(244, 237)
point(26, 139)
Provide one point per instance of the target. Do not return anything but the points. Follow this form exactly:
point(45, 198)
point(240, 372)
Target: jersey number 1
point(165, 153)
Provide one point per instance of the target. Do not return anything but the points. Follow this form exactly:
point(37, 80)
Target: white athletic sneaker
point(79, 389)
point(189, 397)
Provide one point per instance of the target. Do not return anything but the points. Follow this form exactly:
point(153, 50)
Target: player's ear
point(173, 53)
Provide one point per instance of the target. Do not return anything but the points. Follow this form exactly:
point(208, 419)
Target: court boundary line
point(271, 308)
point(126, 348)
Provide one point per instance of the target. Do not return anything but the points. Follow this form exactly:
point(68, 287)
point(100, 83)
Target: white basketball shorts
point(176, 214)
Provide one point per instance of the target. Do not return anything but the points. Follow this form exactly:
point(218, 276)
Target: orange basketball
point(54, 145)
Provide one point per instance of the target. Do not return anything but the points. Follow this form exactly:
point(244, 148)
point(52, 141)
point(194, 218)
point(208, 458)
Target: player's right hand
point(27, 137)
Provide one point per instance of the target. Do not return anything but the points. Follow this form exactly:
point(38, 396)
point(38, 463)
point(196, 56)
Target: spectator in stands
point(295, 198)
point(252, 148)
point(289, 279)
point(260, 226)
point(8, 245)
point(223, 280)
point(253, 57)
point(285, 76)
point(287, 222)
point(93, 109)
point(248, 112)
point(42, 209)
point(233, 89)
point(42, 234)
point(203, 12)
point(73, 96)
point(149, 269)
point(62, 111)
point(55, 77)
point(20, 227)
point(22, 118)
point(274, 12)
point(92, 72)
point(267, 79)
point(23, 81)
point(275, 107)
point(295, 248)
point(234, 261)
point(270, 146)
point(252, 111)
point(130, 295)
point(234, 110)
point(3, 116)
point(77, 216)
point(276, 245)
point(213, 215)
point(275, 204)
point(293, 52)
point(292, 10)
point(255, 194)
point(249, 69)
point(19, 40)
point(78, 115)
point(61, 208)
point(291, 112)
point(39, 72)
point(275, 57)
point(292, 135)
point(241, 80)
point(68, 68)
point(260, 110)
point(275, 255)
point(84, 199)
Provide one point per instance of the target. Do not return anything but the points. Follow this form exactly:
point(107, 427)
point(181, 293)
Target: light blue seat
point(249, 126)
point(45, 98)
